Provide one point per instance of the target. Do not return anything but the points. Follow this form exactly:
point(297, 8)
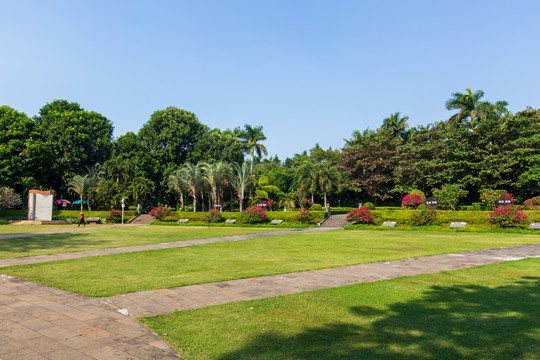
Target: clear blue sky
point(308, 71)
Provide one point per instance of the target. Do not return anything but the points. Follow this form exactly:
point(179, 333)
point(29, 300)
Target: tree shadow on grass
point(447, 322)
point(21, 245)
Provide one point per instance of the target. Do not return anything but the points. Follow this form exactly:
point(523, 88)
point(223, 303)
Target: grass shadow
point(446, 322)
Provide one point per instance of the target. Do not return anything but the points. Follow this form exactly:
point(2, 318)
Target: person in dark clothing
point(81, 220)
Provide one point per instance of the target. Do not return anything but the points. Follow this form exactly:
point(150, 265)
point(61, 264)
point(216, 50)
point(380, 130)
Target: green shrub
point(114, 216)
point(253, 215)
point(369, 205)
point(316, 207)
point(424, 217)
point(3, 222)
point(213, 216)
point(160, 212)
point(170, 218)
point(489, 197)
point(305, 203)
point(422, 207)
point(449, 194)
point(477, 207)
point(304, 216)
point(507, 216)
point(532, 203)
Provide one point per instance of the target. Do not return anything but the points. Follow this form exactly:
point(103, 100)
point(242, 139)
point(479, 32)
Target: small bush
point(424, 217)
point(9, 198)
point(171, 218)
point(253, 215)
point(304, 216)
point(477, 207)
point(418, 192)
point(360, 216)
point(114, 216)
point(3, 222)
point(213, 216)
point(160, 212)
point(316, 207)
point(532, 203)
point(411, 201)
point(489, 197)
point(369, 205)
point(423, 207)
point(507, 216)
point(305, 203)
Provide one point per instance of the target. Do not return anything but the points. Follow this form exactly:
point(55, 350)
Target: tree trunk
point(325, 199)
point(81, 204)
point(194, 200)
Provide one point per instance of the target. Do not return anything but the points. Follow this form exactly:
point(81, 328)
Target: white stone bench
point(455, 225)
point(93, 220)
point(534, 226)
point(389, 223)
point(276, 222)
point(230, 221)
point(183, 221)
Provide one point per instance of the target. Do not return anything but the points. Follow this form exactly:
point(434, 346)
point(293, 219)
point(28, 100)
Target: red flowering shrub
point(266, 204)
point(424, 217)
point(160, 212)
point(508, 216)
point(114, 216)
point(305, 203)
point(360, 216)
point(253, 215)
point(304, 216)
point(489, 197)
point(532, 204)
point(213, 216)
point(411, 201)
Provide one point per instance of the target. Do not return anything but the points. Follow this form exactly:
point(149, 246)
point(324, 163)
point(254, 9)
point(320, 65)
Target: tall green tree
point(307, 178)
point(178, 185)
point(251, 136)
point(467, 104)
point(192, 176)
point(79, 185)
point(396, 125)
point(215, 175)
point(240, 179)
point(328, 177)
point(75, 137)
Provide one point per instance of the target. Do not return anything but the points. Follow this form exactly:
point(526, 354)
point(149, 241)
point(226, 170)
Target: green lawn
point(20, 229)
point(108, 238)
point(123, 273)
point(488, 312)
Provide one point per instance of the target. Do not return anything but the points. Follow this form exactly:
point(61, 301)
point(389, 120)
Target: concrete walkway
point(128, 249)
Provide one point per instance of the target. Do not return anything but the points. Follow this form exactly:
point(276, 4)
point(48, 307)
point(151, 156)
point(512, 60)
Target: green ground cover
point(106, 238)
point(123, 273)
point(21, 229)
point(488, 312)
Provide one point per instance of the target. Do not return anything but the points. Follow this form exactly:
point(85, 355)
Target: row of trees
point(72, 151)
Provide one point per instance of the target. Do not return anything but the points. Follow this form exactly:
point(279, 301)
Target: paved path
point(153, 302)
point(128, 249)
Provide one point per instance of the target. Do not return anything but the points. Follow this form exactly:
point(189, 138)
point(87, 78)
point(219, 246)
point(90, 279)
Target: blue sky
point(307, 71)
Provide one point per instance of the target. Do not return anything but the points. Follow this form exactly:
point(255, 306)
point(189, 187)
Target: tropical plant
point(396, 125)
point(240, 179)
point(192, 177)
point(532, 203)
point(213, 216)
point(489, 197)
point(250, 137)
point(177, 184)
point(449, 194)
point(79, 185)
point(215, 175)
point(9, 198)
point(467, 104)
point(307, 178)
point(508, 216)
point(328, 177)
point(114, 216)
point(305, 203)
point(118, 168)
point(160, 212)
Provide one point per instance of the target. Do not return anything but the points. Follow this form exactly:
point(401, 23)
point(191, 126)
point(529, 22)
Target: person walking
point(81, 220)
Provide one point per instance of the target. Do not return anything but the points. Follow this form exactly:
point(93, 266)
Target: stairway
point(142, 219)
point(336, 221)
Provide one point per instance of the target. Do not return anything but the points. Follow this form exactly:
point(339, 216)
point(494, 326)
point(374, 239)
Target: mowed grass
point(20, 229)
point(110, 238)
point(123, 273)
point(488, 312)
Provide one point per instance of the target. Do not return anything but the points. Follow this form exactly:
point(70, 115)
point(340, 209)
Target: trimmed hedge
point(286, 216)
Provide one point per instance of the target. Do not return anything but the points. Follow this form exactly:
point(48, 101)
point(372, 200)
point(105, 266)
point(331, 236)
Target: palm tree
point(357, 137)
point(307, 178)
point(250, 137)
point(93, 183)
point(240, 180)
point(467, 104)
point(118, 168)
point(176, 183)
point(328, 177)
point(396, 125)
point(79, 185)
point(192, 177)
point(215, 175)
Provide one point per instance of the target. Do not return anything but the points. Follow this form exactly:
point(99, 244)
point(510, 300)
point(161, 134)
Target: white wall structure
point(40, 205)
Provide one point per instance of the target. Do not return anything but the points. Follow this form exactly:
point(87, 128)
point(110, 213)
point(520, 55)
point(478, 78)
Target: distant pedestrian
point(81, 220)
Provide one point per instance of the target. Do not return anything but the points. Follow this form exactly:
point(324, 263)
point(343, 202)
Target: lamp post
point(123, 205)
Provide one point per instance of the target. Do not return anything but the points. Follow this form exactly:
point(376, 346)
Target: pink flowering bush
point(360, 216)
point(424, 217)
point(268, 204)
point(160, 212)
point(304, 216)
point(213, 216)
point(412, 201)
point(253, 215)
point(532, 204)
point(114, 216)
point(489, 197)
point(305, 203)
point(508, 216)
